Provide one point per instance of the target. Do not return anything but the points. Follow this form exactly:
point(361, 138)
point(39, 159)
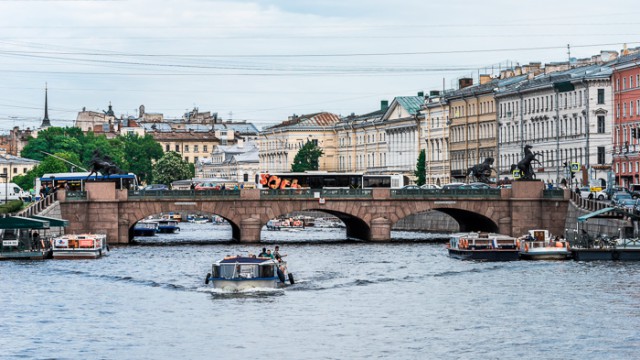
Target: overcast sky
point(263, 60)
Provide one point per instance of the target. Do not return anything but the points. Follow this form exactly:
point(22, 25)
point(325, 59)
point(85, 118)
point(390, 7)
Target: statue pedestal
point(527, 189)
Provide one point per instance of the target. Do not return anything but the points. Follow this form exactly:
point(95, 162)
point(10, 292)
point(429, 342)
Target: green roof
point(604, 213)
point(410, 103)
point(19, 222)
point(52, 221)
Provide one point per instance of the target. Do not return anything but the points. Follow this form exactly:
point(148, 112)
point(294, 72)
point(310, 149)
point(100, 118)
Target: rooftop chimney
point(484, 78)
point(465, 82)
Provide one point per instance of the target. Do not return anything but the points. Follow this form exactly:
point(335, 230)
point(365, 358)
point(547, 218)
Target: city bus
point(75, 181)
point(324, 180)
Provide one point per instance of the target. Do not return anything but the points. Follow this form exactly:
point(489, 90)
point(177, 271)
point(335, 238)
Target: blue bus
point(75, 181)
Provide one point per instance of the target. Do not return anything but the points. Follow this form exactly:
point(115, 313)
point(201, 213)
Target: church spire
point(45, 121)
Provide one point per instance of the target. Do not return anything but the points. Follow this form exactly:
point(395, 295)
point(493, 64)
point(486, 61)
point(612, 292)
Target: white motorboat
point(242, 273)
point(538, 245)
point(82, 246)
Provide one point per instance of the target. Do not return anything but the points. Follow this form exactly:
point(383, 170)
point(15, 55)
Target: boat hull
point(77, 254)
point(606, 254)
point(168, 230)
point(541, 254)
point(241, 285)
point(26, 255)
point(144, 232)
point(485, 254)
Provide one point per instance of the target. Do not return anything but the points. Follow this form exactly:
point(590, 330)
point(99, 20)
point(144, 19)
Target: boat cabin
point(244, 268)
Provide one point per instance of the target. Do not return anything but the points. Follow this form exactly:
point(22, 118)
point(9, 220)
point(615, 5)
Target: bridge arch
point(470, 221)
point(356, 227)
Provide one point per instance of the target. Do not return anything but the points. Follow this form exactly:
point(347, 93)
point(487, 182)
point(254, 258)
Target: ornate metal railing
point(445, 193)
point(315, 193)
point(173, 194)
point(553, 194)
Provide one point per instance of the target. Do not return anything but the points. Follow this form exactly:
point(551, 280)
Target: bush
point(11, 207)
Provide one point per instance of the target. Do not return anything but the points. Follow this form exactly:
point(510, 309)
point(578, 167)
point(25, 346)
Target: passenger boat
point(616, 250)
point(483, 247)
point(285, 224)
point(538, 245)
point(167, 226)
point(82, 246)
point(242, 273)
point(145, 228)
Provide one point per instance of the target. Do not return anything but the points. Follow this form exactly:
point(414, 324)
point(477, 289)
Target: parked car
point(627, 204)
point(614, 189)
point(411, 187)
point(430, 186)
point(454, 185)
point(586, 193)
point(155, 187)
point(618, 197)
point(476, 185)
point(634, 190)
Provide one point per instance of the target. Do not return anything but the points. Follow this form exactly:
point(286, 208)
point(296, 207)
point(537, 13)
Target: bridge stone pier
point(368, 215)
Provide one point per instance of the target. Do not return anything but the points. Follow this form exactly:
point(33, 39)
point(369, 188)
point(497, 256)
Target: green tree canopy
point(421, 169)
point(307, 158)
point(140, 152)
point(50, 164)
point(171, 167)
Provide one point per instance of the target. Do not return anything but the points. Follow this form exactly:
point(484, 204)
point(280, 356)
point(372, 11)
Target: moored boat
point(82, 246)
point(242, 273)
point(285, 224)
point(145, 228)
point(616, 250)
point(483, 247)
point(22, 244)
point(538, 245)
point(167, 226)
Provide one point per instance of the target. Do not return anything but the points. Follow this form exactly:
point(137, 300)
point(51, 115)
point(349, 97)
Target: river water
point(352, 300)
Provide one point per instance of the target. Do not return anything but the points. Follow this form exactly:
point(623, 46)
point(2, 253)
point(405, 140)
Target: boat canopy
point(608, 212)
point(20, 222)
point(244, 260)
point(52, 221)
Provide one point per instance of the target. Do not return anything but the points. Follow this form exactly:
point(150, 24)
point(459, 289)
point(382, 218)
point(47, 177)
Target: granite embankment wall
point(594, 226)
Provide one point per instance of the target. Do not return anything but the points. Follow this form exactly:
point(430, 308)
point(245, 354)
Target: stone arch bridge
point(369, 214)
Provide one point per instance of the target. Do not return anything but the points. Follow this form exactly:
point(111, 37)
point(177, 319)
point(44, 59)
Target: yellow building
point(279, 144)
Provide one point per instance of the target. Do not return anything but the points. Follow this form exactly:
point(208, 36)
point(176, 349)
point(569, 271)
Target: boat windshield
point(244, 270)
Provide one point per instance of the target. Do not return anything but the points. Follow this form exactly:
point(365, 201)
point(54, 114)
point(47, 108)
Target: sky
point(263, 61)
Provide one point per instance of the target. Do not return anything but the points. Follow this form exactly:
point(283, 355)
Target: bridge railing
point(445, 193)
point(311, 193)
point(142, 194)
point(553, 193)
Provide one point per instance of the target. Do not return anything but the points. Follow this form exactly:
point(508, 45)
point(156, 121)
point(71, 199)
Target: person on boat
point(276, 252)
point(281, 264)
point(269, 254)
point(263, 253)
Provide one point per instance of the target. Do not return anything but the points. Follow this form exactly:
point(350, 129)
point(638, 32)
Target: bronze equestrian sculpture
point(103, 165)
point(482, 172)
point(524, 165)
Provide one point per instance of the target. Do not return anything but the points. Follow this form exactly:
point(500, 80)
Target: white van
point(12, 192)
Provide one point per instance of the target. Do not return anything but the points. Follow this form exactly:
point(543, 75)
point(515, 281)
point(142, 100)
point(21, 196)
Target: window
point(195, 148)
point(630, 108)
point(177, 148)
point(624, 83)
point(601, 124)
point(186, 148)
point(205, 148)
point(166, 147)
point(600, 96)
point(601, 155)
point(195, 159)
point(186, 158)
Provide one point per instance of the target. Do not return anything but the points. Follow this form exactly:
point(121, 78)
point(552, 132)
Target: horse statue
point(481, 172)
point(524, 165)
point(102, 164)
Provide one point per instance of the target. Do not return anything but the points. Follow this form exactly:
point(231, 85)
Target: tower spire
point(45, 121)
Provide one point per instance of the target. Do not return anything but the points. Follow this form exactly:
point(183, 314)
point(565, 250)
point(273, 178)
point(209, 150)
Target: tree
point(421, 169)
point(140, 153)
point(50, 164)
point(307, 158)
point(171, 167)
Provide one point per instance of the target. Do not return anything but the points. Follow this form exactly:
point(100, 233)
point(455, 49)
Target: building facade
point(626, 126)
point(565, 116)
